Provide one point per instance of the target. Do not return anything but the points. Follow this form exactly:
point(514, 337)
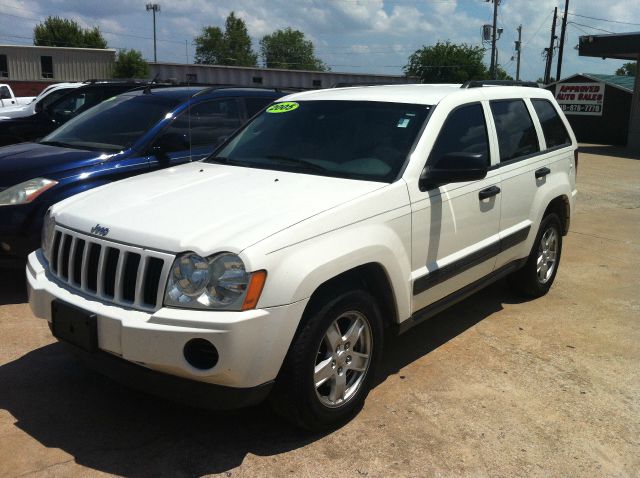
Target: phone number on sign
point(582, 108)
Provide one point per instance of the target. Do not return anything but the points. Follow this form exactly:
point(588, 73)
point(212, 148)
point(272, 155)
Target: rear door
point(523, 169)
point(455, 226)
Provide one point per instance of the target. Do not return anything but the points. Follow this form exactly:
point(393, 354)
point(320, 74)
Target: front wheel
point(537, 276)
point(331, 363)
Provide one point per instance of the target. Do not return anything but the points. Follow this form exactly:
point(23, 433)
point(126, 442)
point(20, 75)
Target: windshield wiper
point(300, 162)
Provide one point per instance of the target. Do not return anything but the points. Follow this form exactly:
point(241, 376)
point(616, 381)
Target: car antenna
point(147, 89)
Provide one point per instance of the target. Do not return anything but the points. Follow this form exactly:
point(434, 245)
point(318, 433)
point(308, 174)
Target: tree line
point(285, 48)
point(444, 62)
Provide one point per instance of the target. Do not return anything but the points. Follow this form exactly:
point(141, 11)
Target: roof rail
point(481, 83)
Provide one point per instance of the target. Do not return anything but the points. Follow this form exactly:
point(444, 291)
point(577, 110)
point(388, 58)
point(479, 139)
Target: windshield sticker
point(403, 122)
point(284, 107)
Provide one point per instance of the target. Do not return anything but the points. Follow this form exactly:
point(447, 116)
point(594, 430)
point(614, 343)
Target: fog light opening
point(201, 354)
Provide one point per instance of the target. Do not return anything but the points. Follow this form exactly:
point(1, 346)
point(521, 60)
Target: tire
point(533, 280)
point(332, 358)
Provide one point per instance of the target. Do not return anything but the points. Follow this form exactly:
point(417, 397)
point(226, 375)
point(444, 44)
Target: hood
point(20, 162)
point(17, 111)
point(205, 207)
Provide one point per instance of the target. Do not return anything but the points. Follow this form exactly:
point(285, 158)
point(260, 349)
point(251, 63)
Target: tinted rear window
point(516, 134)
point(553, 128)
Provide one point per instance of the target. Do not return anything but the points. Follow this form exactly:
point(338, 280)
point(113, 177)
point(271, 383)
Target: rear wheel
point(538, 274)
point(331, 363)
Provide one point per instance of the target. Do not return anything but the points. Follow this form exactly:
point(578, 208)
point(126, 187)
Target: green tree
point(231, 47)
point(447, 63)
point(628, 69)
point(501, 74)
point(56, 31)
point(130, 64)
point(290, 50)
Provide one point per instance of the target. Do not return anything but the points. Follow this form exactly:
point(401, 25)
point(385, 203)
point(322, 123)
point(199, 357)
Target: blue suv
point(129, 134)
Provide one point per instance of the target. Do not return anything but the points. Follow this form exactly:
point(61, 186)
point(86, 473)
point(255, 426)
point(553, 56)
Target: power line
point(101, 31)
point(538, 29)
point(602, 19)
point(592, 27)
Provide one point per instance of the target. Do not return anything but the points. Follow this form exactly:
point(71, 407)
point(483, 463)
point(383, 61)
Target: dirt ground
point(493, 387)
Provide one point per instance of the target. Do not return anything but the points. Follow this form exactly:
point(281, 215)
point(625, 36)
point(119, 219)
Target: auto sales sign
point(580, 98)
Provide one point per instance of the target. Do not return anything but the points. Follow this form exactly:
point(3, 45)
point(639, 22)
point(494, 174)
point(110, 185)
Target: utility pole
point(547, 70)
point(154, 7)
point(519, 51)
point(561, 46)
point(492, 68)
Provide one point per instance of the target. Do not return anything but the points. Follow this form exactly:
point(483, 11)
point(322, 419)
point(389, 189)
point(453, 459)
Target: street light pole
point(154, 7)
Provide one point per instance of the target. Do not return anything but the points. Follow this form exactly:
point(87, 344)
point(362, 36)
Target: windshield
point(114, 124)
point(354, 139)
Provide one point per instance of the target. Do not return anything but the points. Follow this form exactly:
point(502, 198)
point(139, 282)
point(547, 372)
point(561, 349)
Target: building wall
point(69, 64)
point(262, 77)
point(27, 88)
point(610, 128)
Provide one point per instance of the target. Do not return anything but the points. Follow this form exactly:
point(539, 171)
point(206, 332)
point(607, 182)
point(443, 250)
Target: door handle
point(489, 192)
point(542, 172)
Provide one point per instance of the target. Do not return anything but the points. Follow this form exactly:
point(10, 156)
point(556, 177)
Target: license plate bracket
point(74, 325)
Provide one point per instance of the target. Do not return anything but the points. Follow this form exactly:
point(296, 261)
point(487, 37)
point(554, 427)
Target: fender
point(295, 272)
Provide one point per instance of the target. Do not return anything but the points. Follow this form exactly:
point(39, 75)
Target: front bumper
point(251, 344)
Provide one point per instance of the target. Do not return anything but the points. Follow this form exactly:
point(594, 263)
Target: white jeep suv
point(276, 266)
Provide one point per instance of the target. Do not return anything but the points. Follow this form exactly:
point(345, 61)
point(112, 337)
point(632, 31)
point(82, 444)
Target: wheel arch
point(371, 277)
point(561, 206)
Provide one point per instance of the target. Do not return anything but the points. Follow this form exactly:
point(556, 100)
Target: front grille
point(112, 272)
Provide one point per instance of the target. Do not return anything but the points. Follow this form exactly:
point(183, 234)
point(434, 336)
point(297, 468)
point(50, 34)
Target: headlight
point(217, 282)
point(48, 230)
point(25, 192)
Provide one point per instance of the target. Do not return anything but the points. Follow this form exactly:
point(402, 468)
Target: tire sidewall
point(550, 221)
point(314, 332)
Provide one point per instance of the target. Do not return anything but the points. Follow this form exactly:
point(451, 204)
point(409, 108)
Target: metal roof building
point(623, 46)
point(24, 66)
point(264, 77)
point(597, 106)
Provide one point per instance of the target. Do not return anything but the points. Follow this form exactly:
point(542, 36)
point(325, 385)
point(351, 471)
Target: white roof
point(428, 94)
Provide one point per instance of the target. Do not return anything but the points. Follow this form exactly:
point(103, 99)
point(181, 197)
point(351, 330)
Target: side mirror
point(170, 143)
point(38, 107)
point(454, 168)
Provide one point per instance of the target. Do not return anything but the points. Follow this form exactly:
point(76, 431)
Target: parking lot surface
point(495, 386)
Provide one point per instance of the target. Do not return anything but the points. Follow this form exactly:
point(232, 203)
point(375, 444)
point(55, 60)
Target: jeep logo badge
point(99, 230)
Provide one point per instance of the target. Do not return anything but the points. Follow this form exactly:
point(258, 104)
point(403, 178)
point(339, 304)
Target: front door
point(455, 226)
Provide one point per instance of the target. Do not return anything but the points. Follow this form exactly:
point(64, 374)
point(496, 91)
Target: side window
point(553, 128)
point(516, 134)
point(51, 97)
point(4, 93)
point(464, 131)
point(70, 105)
point(205, 123)
point(256, 104)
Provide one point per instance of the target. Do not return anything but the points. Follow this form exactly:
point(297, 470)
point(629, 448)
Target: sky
point(361, 36)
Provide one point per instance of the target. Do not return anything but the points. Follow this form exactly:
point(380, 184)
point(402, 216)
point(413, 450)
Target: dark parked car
point(51, 115)
point(126, 135)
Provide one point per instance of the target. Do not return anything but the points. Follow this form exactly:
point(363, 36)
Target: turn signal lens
point(254, 290)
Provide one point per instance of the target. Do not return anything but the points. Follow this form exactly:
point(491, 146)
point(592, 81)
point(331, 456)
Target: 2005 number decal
point(284, 107)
